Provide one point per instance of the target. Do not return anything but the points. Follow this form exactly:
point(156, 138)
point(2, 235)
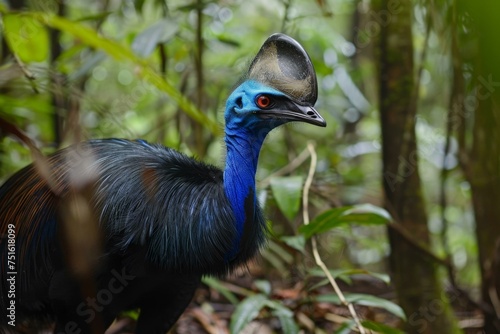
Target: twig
point(443, 200)
point(423, 249)
point(299, 160)
point(39, 160)
point(286, 16)
point(307, 184)
point(209, 322)
point(27, 73)
point(338, 319)
point(317, 257)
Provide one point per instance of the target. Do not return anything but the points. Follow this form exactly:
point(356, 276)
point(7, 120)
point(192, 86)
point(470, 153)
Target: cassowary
point(165, 219)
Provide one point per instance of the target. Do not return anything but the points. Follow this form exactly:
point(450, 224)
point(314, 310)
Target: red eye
point(263, 101)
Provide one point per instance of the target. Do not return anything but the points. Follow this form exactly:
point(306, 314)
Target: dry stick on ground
point(317, 257)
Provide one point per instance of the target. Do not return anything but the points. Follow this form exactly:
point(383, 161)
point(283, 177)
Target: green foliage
point(364, 214)
point(158, 33)
point(287, 192)
point(91, 38)
point(216, 285)
point(26, 37)
point(345, 274)
point(249, 308)
point(366, 300)
point(278, 256)
point(246, 311)
point(380, 328)
point(297, 242)
point(129, 69)
point(347, 328)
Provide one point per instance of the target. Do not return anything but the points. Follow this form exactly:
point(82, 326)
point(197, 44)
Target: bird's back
point(158, 210)
point(165, 219)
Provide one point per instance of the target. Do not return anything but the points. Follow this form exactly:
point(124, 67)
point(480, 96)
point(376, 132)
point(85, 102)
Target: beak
point(293, 111)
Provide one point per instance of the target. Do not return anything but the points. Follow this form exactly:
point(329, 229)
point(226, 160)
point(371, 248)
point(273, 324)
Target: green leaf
point(288, 324)
point(345, 328)
point(277, 306)
point(274, 260)
point(246, 311)
point(216, 285)
point(380, 328)
point(338, 273)
point(133, 314)
point(364, 214)
point(228, 40)
point(365, 300)
point(119, 52)
point(297, 242)
point(263, 285)
point(95, 17)
point(88, 65)
point(160, 32)
point(26, 37)
point(285, 315)
point(280, 251)
point(250, 307)
point(321, 283)
point(287, 191)
point(324, 222)
point(370, 208)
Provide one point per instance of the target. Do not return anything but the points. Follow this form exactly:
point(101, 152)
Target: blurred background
point(409, 90)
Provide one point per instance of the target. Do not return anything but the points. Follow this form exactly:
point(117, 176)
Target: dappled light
point(249, 167)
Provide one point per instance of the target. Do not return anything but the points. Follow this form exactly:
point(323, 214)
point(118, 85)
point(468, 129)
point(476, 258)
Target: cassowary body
point(166, 219)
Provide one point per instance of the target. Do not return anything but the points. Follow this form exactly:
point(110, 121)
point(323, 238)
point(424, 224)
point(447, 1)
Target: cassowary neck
point(239, 178)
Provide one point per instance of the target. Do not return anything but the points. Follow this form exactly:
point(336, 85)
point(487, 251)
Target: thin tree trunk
point(59, 101)
point(481, 162)
point(415, 274)
point(484, 178)
point(199, 135)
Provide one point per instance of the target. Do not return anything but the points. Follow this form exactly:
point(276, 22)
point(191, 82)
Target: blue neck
point(239, 176)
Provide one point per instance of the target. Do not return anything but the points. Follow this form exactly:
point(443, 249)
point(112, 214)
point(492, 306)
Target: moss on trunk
point(415, 275)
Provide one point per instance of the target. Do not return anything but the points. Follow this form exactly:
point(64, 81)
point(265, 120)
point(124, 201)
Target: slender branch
point(307, 184)
point(443, 200)
point(39, 160)
point(423, 249)
point(411, 114)
point(288, 4)
point(294, 164)
point(338, 319)
point(200, 142)
point(27, 73)
point(314, 242)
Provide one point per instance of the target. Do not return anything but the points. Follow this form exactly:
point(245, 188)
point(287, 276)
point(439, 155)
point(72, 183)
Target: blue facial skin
point(245, 133)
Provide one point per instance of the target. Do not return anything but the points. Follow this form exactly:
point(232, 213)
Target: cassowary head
point(280, 87)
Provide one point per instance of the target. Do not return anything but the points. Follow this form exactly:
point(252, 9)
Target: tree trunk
point(482, 163)
point(484, 178)
point(58, 96)
point(415, 274)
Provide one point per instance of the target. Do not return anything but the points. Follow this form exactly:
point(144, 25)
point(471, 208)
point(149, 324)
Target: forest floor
point(210, 312)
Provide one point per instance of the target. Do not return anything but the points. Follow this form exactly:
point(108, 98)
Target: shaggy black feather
point(165, 219)
point(161, 212)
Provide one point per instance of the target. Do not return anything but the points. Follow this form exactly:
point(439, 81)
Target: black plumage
point(148, 213)
point(165, 219)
